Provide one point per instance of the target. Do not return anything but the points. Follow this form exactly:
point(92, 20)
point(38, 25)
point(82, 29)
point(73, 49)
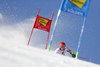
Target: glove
point(73, 55)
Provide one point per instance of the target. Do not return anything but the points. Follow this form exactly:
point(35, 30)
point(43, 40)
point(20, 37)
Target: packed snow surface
point(28, 56)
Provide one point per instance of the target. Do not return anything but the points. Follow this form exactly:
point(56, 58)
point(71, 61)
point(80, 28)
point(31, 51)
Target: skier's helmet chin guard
point(62, 44)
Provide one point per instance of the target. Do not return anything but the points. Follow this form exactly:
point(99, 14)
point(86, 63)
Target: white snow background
point(14, 51)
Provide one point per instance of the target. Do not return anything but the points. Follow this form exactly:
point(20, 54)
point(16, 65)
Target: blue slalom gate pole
point(77, 53)
point(79, 43)
point(55, 25)
point(54, 29)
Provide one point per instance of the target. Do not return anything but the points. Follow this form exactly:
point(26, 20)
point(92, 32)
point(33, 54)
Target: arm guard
point(71, 52)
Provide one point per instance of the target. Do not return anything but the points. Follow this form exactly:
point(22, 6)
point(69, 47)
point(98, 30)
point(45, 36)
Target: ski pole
point(84, 58)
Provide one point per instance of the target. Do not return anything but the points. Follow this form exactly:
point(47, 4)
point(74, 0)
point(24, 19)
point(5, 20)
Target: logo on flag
point(78, 7)
point(43, 21)
point(78, 3)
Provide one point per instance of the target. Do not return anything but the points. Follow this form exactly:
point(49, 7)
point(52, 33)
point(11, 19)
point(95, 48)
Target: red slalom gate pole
point(33, 28)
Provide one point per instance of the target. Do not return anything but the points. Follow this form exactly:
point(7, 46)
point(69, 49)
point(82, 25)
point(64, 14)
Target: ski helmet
point(62, 44)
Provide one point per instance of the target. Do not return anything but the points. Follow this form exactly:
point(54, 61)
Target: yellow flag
point(78, 3)
point(43, 21)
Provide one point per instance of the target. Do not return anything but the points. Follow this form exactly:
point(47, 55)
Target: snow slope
point(28, 56)
point(15, 53)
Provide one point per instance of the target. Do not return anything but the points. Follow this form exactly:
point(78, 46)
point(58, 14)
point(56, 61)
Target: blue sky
point(68, 27)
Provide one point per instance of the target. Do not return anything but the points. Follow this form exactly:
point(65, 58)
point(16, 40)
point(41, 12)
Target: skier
point(62, 50)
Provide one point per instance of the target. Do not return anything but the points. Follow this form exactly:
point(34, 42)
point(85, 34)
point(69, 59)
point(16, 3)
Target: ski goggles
point(62, 47)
